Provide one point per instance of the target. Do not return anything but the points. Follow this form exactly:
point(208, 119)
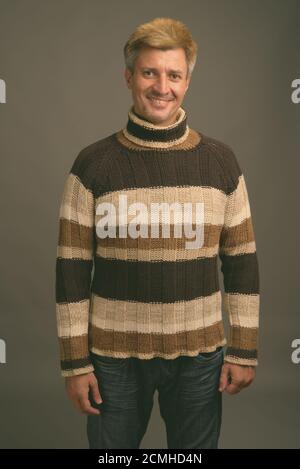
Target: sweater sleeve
point(74, 263)
point(239, 266)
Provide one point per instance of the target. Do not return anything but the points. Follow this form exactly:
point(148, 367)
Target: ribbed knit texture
point(152, 297)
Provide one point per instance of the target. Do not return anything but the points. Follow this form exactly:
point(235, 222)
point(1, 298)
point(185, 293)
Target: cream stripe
point(238, 207)
point(214, 200)
point(245, 248)
point(243, 310)
point(74, 253)
point(77, 202)
point(167, 194)
point(158, 318)
point(72, 318)
point(77, 371)
point(240, 361)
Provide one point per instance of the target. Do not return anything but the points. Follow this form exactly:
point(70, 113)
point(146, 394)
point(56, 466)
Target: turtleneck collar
point(142, 132)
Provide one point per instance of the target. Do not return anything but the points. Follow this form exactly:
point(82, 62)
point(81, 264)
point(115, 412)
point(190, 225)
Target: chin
point(158, 118)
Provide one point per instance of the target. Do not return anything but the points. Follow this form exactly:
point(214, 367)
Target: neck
point(143, 118)
point(142, 132)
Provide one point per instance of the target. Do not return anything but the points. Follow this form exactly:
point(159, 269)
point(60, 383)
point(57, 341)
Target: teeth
point(158, 100)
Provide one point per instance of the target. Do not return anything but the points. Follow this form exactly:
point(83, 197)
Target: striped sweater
point(143, 293)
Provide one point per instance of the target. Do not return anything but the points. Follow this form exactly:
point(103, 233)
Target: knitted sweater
point(144, 293)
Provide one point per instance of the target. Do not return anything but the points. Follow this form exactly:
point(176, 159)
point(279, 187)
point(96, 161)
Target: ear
point(188, 82)
point(128, 77)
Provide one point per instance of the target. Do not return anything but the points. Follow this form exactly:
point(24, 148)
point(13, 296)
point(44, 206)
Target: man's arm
point(239, 266)
point(73, 277)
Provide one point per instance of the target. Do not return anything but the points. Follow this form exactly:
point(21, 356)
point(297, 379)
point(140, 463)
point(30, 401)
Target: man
point(149, 317)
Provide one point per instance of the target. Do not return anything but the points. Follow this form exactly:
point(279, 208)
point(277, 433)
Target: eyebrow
point(155, 70)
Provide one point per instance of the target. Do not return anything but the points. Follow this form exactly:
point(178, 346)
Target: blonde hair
point(161, 33)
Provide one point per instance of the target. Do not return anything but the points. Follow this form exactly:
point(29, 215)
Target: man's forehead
point(156, 59)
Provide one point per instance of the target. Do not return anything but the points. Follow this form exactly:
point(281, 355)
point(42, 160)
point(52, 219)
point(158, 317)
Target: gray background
point(63, 66)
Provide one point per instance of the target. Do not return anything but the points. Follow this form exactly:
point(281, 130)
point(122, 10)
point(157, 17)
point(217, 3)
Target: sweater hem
point(167, 356)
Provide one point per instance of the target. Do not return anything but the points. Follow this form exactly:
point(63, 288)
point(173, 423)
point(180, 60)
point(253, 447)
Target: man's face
point(158, 84)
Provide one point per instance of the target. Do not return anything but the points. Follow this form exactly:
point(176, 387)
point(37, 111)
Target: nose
point(161, 85)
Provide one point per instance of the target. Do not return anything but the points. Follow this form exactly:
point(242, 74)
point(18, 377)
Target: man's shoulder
point(226, 162)
point(97, 149)
point(223, 153)
point(216, 145)
point(89, 164)
point(93, 154)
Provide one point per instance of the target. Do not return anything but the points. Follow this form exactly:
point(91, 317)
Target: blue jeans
point(189, 400)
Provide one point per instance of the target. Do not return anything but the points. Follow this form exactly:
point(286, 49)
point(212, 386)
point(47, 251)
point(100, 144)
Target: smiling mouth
point(158, 100)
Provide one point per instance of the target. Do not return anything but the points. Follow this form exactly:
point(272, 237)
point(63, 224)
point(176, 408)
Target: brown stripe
point(131, 169)
point(240, 273)
point(155, 282)
point(241, 353)
point(82, 364)
point(73, 277)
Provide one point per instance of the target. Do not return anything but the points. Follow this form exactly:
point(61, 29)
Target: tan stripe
point(72, 318)
point(72, 234)
point(211, 239)
point(243, 338)
point(73, 348)
point(156, 318)
point(243, 310)
point(169, 249)
point(148, 345)
point(239, 234)
point(77, 202)
point(75, 241)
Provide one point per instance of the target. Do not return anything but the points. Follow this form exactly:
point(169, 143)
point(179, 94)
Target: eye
point(147, 72)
